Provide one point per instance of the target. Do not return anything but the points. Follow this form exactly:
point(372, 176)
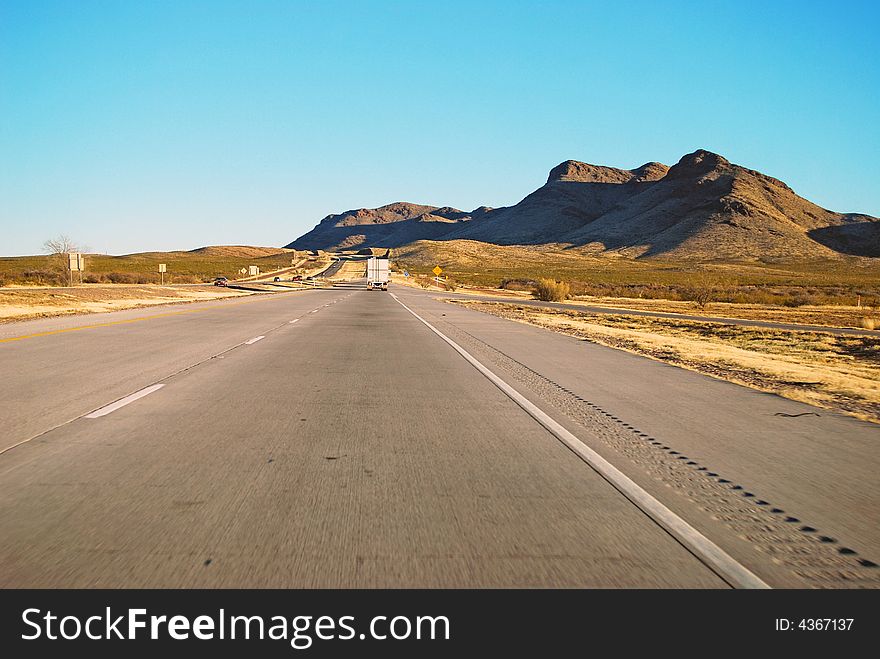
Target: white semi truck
point(377, 274)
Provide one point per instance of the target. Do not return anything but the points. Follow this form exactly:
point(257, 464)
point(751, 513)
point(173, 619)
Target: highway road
point(349, 438)
point(332, 269)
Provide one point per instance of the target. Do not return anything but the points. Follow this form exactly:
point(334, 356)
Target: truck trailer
point(377, 274)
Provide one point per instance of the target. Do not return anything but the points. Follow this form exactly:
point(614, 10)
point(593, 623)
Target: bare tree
point(704, 289)
point(58, 249)
point(60, 246)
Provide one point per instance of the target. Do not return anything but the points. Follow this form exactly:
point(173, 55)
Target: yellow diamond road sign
point(437, 270)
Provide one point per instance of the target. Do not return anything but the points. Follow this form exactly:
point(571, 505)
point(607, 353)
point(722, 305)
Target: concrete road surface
point(330, 438)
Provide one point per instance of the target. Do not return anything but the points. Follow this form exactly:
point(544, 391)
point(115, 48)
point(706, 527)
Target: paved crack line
point(715, 558)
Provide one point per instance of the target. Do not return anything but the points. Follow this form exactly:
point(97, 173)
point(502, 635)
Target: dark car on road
point(277, 279)
point(221, 281)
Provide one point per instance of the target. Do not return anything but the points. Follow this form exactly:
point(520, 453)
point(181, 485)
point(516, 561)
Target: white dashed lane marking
point(122, 402)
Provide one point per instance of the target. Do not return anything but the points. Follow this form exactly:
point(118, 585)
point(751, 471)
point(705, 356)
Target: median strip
point(122, 402)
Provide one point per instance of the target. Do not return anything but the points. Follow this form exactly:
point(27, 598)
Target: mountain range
point(703, 207)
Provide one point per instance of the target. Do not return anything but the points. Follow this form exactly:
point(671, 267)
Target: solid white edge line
point(712, 555)
point(122, 402)
point(252, 341)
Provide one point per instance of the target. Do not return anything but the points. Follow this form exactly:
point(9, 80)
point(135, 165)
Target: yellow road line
point(124, 322)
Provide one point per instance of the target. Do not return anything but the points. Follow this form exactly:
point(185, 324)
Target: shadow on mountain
point(856, 239)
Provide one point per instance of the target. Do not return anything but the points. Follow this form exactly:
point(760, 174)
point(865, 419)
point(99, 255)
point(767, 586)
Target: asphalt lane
point(351, 448)
point(57, 369)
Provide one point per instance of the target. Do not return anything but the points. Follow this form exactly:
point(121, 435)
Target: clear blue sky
point(135, 126)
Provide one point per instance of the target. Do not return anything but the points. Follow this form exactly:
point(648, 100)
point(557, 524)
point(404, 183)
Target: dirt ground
point(25, 303)
point(841, 373)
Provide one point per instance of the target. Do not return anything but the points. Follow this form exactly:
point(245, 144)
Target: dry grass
point(550, 290)
point(841, 373)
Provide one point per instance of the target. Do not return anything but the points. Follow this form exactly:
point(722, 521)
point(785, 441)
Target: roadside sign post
point(75, 263)
point(162, 273)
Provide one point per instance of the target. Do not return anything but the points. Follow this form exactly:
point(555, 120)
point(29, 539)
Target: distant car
point(296, 278)
point(277, 279)
point(221, 281)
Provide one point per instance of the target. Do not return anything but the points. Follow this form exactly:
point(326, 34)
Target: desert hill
point(215, 251)
point(703, 207)
point(239, 251)
point(396, 224)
